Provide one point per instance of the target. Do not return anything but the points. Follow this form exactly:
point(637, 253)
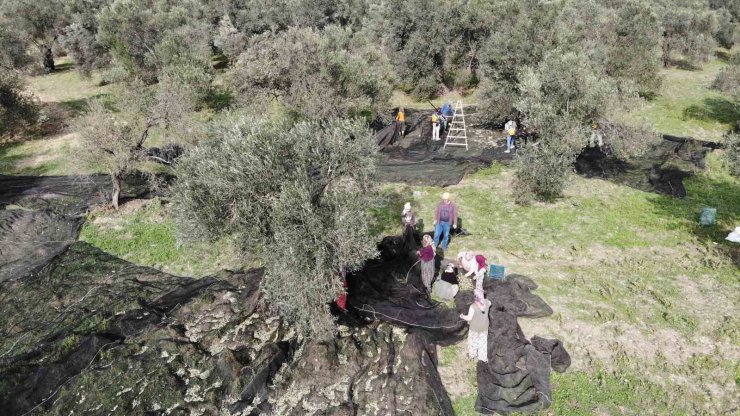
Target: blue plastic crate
point(497, 272)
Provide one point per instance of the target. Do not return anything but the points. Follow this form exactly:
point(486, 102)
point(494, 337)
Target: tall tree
point(314, 74)
point(146, 36)
point(298, 195)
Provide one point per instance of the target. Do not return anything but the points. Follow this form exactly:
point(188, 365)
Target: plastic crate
point(708, 216)
point(496, 272)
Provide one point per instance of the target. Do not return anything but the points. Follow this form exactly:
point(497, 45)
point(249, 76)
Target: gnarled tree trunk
point(117, 180)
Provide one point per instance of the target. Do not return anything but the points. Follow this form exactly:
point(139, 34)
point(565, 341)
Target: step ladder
point(457, 135)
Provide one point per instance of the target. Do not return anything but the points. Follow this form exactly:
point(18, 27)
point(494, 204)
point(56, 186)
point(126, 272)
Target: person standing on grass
point(435, 127)
point(478, 334)
point(401, 121)
point(426, 256)
point(408, 218)
point(510, 130)
point(444, 216)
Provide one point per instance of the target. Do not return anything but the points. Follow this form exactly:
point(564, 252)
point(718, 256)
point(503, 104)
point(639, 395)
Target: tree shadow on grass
point(713, 109)
point(702, 191)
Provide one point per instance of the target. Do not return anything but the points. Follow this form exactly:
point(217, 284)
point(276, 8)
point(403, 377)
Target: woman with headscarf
point(477, 316)
point(426, 256)
point(408, 218)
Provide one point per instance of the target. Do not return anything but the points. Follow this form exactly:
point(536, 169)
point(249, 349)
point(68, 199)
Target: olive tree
point(687, 34)
point(38, 22)
point(113, 140)
point(80, 37)
point(146, 36)
point(299, 195)
point(561, 98)
point(314, 74)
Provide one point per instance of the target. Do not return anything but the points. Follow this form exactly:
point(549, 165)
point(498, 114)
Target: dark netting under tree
point(41, 216)
point(517, 376)
point(661, 169)
point(415, 159)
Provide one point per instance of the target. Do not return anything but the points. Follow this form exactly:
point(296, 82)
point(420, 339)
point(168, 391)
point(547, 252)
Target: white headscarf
point(406, 208)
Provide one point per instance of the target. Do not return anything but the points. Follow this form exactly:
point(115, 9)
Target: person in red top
point(444, 216)
point(426, 255)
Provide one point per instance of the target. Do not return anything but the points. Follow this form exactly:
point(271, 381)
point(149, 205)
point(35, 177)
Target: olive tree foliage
point(80, 37)
point(314, 74)
point(299, 195)
point(726, 28)
point(39, 23)
point(419, 37)
point(17, 107)
point(147, 38)
point(114, 139)
point(688, 33)
point(561, 98)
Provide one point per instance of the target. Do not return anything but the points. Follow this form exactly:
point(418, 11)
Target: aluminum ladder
point(457, 135)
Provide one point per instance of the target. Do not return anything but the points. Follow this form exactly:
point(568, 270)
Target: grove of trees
point(281, 169)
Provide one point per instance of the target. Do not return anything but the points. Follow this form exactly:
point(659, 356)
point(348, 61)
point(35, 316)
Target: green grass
point(66, 85)
point(146, 236)
point(609, 256)
point(401, 99)
point(41, 157)
point(687, 106)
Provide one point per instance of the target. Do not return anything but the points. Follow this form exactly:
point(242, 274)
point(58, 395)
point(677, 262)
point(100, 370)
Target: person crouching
point(426, 255)
point(448, 285)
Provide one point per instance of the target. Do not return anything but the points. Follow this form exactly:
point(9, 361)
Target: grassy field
point(688, 106)
point(645, 299)
point(143, 233)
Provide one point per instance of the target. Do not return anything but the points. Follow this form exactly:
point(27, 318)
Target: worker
point(478, 334)
point(447, 286)
point(435, 127)
point(474, 266)
point(401, 121)
point(444, 216)
point(447, 109)
point(510, 130)
point(596, 138)
point(426, 256)
point(408, 218)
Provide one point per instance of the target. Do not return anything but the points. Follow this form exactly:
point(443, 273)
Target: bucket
point(708, 216)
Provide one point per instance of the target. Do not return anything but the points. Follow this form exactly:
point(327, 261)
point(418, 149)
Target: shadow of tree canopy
point(713, 109)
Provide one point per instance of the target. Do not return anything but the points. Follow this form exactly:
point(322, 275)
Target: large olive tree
point(314, 74)
point(298, 195)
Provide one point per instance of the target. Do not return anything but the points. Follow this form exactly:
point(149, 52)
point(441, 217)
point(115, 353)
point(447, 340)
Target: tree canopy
point(299, 195)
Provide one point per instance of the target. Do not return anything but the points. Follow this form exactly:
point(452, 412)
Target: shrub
point(17, 108)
